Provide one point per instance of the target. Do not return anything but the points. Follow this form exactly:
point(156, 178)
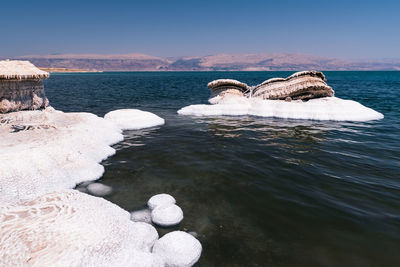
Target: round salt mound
point(133, 119)
point(99, 189)
point(160, 200)
point(178, 249)
point(167, 215)
point(146, 235)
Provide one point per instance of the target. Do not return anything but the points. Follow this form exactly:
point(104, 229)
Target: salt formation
point(327, 108)
point(300, 85)
point(164, 212)
point(283, 98)
point(69, 228)
point(141, 216)
point(226, 87)
point(53, 151)
point(160, 199)
point(43, 152)
point(99, 189)
point(64, 149)
point(167, 215)
point(21, 86)
point(133, 119)
point(178, 249)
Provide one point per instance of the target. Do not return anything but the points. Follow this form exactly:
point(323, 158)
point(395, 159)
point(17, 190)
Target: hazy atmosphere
point(339, 29)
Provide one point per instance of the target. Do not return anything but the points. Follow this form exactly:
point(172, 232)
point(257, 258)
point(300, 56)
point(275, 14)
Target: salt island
point(303, 95)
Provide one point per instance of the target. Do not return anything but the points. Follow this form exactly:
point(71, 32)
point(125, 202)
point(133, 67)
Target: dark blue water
point(258, 191)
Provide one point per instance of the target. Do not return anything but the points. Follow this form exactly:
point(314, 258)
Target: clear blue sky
point(344, 29)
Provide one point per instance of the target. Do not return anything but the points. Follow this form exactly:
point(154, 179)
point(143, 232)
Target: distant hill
point(219, 62)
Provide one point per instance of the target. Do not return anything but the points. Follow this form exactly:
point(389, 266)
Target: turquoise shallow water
point(258, 191)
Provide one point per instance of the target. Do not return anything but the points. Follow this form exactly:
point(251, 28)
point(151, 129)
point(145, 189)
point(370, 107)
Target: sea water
point(257, 191)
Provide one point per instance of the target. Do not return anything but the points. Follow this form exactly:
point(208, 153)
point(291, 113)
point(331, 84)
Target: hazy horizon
point(205, 55)
point(340, 29)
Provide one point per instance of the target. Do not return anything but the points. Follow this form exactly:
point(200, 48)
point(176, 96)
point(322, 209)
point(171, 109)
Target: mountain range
point(218, 62)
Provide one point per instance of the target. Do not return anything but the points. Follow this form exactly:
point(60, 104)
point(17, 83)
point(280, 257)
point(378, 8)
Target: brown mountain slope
point(236, 62)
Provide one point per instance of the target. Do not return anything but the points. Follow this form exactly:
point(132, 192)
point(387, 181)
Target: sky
point(172, 28)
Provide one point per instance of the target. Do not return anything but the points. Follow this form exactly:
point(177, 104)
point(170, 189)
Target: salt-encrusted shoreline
point(54, 150)
point(43, 223)
point(44, 153)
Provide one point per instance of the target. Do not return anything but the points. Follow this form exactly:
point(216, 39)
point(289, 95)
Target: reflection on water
point(258, 191)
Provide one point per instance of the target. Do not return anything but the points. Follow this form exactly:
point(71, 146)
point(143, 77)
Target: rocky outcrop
point(226, 87)
point(21, 86)
point(299, 86)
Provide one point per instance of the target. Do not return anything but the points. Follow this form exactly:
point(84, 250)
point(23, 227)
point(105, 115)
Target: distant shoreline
point(67, 70)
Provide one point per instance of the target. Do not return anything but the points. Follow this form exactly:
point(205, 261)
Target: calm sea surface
point(258, 191)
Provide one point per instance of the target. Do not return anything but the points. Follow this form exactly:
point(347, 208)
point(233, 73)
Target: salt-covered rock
point(178, 249)
point(141, 216)
point(326, 108)
point(69, 228)
point(99, 189)
point(160, 199)
point(132, 119)
point(167, 215)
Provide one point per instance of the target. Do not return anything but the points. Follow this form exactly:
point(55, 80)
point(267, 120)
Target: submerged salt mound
point(69, 228)
point(178, 249)
point(160, 200)
point(327, 108)
point(99, 189)
point(167, 215)
point(141, 216)
point(133, 119)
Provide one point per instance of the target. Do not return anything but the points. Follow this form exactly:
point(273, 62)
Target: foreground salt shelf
point(46, 150)
point(69, 228)
point(327, 108)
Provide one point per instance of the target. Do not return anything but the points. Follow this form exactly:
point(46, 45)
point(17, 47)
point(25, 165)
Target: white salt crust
point(69, 228)
point(59, 151)
point(178, 249)
point(43, 152)
point(132, 119)
point(99, 189)
point(56, 150)
point(167, 215)
point(327, 108)
point(160, 200)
